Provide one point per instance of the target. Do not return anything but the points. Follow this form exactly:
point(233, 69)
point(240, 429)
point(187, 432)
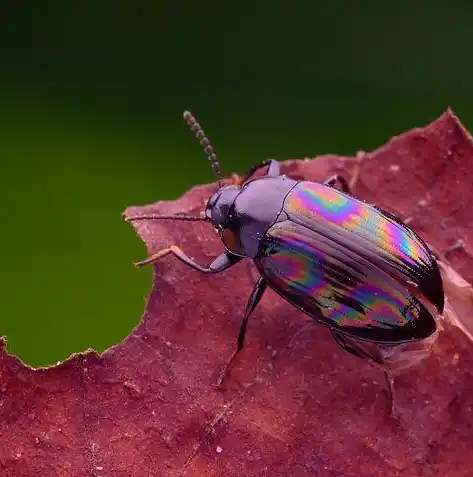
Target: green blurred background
point(91, 102)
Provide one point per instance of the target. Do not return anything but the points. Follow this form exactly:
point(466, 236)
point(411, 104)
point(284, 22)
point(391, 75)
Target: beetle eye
point(231, 241)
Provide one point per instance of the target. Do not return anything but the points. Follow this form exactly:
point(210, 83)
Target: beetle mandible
point(345, 263)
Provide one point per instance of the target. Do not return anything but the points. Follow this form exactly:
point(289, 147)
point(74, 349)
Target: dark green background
point(91, 102)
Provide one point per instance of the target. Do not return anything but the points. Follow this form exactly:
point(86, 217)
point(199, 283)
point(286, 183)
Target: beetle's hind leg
point(458, 309)
point(442, 256)
point(370, 351)
point(254, 299)
point(458, 245)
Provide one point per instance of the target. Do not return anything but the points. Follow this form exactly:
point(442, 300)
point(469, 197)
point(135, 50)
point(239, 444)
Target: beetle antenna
point(190, 218)
point(196, 128)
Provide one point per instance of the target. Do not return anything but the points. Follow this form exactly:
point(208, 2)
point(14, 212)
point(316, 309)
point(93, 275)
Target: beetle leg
point(392, 397)
point(332, 180)
point(458, 309)
point(347, 186)
point(254, 299)
point(367, 350)
point(250, 267)
point(458, 245)
point(221, 263)
point(273, 171)
point(361, 349)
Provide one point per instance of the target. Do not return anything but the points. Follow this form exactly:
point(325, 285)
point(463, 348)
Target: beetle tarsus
point(458, 245)
point(227, 370)
point(153, 258)
point(391, 394)
point(221, 263)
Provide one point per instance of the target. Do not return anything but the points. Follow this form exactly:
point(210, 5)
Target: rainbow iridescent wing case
point(352, 266)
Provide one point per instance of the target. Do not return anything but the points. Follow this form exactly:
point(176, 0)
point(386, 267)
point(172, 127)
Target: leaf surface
point(296, 404)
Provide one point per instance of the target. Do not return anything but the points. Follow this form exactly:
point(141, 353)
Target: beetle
point(347, 264)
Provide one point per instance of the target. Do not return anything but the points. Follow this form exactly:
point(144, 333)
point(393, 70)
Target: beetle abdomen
point(369, 232)
point(332, 284)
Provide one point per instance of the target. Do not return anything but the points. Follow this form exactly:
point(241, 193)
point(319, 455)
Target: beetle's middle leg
point(332, 180)
point(347, 186)
point(254, 299)
point(273, 171)
point(250, 267)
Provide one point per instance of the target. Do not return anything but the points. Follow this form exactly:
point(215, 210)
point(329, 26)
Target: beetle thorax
point(243, 214)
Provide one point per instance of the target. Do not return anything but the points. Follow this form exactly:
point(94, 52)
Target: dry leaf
point(296, 404)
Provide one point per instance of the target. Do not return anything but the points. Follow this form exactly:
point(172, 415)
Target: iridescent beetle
point(343, 262)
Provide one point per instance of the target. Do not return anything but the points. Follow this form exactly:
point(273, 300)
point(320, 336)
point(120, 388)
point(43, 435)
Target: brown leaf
point(296, 404)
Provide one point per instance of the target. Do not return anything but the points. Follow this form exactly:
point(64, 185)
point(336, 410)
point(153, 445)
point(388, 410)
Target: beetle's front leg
point(221, 263)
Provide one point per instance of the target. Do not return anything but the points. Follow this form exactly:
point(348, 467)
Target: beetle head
point(218, 208)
